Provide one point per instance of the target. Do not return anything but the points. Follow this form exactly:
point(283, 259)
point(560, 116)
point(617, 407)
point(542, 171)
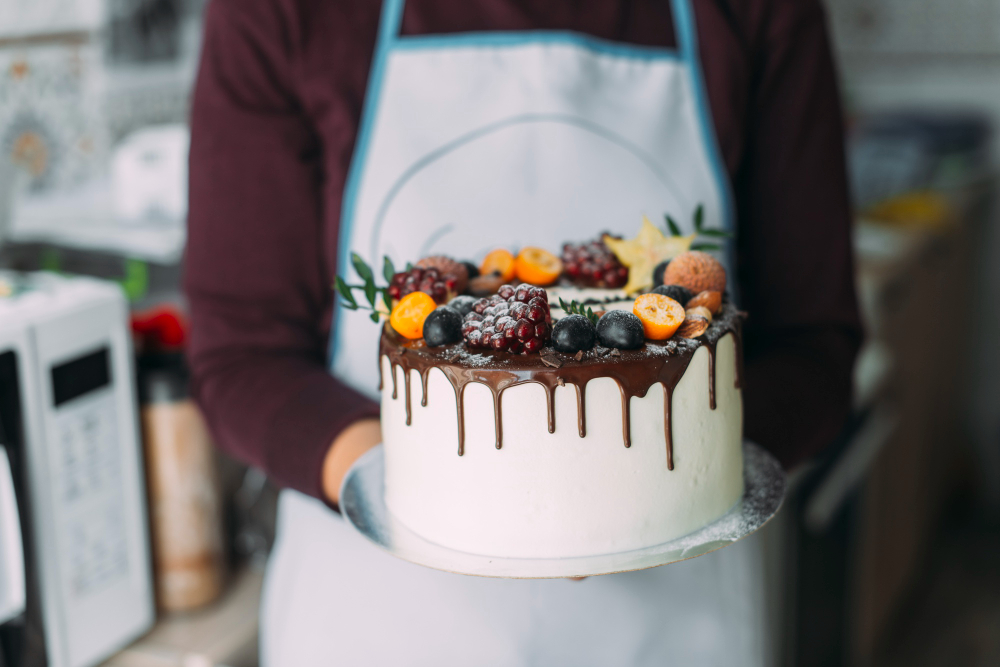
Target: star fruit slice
point(644, 252)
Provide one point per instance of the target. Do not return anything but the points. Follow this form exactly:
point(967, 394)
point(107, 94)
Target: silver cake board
point(362, 501)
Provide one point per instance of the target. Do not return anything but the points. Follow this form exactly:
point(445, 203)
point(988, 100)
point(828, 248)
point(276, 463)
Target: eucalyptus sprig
point(577, 308)
point(368, 286)
point(700, 230)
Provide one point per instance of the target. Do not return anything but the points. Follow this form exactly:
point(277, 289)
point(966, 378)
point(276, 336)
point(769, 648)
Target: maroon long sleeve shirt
point(276, 111)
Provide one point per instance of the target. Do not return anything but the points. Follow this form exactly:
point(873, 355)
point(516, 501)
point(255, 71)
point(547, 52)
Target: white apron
point(470, 142)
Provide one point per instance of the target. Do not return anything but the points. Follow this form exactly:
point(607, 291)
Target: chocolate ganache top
point(635, 371)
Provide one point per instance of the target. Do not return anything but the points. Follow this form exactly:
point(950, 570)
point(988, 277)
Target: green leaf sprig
point(700, 230)
point(577, 308)
point(368, 286)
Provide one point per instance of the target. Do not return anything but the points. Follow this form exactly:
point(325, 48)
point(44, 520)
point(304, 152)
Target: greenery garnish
point(700, 230)
point(368, 286)
point(577, 308)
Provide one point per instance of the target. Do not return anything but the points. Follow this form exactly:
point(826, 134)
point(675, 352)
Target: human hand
point(347, 448)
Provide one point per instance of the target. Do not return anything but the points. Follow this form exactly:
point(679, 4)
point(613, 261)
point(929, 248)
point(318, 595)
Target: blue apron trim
point(389, 23)
point(513, 39)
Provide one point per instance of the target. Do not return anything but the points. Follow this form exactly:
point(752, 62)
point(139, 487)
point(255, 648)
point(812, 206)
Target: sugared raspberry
point(518, 323)
point(592, 264)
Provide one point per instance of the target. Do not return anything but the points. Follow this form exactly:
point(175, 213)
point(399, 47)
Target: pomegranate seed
point(536, 314)
point(538, 293)
point(506, 291)
point(532, 344)
point(541, 330)
point(523, 329)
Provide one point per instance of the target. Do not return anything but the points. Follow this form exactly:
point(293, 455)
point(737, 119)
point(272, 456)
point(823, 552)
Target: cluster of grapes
point(593, 264)
point(426, 280)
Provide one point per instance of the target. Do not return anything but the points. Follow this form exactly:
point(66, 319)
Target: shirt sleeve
point(794, 248)
point(255, 274)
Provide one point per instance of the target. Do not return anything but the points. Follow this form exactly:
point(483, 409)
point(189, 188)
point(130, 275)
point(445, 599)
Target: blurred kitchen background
point(888, 548)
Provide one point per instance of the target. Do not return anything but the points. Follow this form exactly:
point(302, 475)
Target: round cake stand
point(362, 501)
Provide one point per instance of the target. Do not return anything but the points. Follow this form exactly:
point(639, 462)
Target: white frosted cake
point(523, 421)
point(533, 456)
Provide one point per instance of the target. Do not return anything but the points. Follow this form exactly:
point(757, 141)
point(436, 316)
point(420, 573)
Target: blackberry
point(592, 264)
point(471, 269)
point(573, 333)
point(678, 293)
point(620, 329)
point(658, 273)
point(518, 324)
point(443, 326)
point(463, 304)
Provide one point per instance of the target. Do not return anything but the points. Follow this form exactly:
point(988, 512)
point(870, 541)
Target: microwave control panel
point(86, 469)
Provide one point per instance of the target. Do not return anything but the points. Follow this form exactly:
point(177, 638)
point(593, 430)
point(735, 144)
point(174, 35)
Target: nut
point(701, 311)
point(693, 326)
point(708, 299)
point(485, 285)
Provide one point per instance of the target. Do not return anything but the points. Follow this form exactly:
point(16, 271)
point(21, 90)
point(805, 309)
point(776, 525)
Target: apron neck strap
point(684, 29)
point(390, 22)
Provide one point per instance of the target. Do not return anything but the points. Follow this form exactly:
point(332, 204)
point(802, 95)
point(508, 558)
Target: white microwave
point(70, 474)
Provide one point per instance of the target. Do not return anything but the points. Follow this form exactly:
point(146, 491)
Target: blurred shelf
point(83, 218)
point(223, 634)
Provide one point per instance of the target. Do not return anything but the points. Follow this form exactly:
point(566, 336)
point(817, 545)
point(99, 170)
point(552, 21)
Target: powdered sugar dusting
point(763, 492)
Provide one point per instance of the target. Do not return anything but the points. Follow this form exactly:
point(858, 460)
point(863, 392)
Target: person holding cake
point(504, 153)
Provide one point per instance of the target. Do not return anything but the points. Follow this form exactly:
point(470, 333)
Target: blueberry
point(463, 304)
point(443, 326)
point(621, 329)
point(573, 333)
point(678, 293)
point(658, 273)
point(471, 268)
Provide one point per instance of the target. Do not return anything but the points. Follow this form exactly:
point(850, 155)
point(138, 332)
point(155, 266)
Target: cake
point(553, 444)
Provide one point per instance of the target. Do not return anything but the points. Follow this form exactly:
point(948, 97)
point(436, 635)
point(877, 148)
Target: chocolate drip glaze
point(423, 385)
point(668, 427)
point(634, 371)
point(406, 390)
point(711, 379)
point(581, 408)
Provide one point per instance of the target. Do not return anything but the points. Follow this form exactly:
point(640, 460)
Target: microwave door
point(12, 588)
